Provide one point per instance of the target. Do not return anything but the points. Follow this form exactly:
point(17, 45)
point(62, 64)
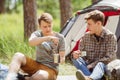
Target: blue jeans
point(97, 72)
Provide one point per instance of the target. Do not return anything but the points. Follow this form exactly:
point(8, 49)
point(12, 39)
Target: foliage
point(12, 5)
point(11, 39)
point(9, 46)
point(51, 6)
point(80, 4)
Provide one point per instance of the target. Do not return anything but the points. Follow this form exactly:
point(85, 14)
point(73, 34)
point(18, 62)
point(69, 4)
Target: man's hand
point(76, 54)
point(55, 40)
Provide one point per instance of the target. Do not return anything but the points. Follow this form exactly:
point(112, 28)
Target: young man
point(99, 45)
point(47, 44)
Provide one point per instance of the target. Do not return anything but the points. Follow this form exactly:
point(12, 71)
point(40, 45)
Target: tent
point(75, 27)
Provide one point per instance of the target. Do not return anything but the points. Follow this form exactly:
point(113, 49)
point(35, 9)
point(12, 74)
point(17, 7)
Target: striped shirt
point(103, 50)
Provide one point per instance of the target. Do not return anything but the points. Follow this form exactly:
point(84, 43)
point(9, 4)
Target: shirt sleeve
point(81, 44)
point(35, 34)
point(62, 43)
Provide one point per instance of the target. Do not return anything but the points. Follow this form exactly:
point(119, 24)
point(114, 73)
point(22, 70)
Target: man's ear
point(99, 22)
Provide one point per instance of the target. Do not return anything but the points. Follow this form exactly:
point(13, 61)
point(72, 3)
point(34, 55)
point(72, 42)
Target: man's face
point(46, 28)
point(92, 26)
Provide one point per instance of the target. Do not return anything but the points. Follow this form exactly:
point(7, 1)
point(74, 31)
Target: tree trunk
point(2, 6)
point(30, 17)
point(65, 11)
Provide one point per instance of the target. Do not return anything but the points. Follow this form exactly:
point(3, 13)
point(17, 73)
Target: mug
point(56, 58)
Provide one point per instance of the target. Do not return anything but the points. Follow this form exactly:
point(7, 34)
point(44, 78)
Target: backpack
point(113, 70)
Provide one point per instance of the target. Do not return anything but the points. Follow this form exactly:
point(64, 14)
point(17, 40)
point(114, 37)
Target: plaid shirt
point(103, 50)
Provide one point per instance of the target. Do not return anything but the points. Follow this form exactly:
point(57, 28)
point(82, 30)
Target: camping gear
point(113, 70)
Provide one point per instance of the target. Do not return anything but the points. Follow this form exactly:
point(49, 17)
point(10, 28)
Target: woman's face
point(46, 28)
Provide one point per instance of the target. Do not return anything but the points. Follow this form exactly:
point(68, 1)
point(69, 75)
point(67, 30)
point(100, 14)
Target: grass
point(11, 41)
point(67, 69)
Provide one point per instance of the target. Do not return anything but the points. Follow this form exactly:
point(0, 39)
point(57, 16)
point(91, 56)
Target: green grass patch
point(67, 69)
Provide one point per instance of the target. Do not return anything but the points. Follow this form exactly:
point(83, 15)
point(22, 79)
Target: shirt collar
point(102, 33)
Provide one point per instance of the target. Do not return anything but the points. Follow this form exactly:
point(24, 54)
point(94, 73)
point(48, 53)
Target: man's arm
point(35, 40)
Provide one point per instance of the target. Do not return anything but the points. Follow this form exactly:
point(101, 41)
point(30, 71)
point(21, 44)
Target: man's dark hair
point(95, 15)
